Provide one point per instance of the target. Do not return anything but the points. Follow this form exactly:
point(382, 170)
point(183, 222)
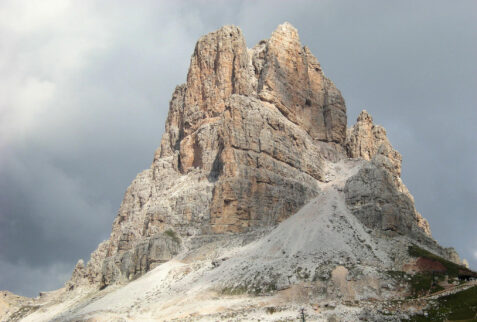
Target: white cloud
point(43, 45)
point(54, 52)
point(23, 106)
point(27, 16)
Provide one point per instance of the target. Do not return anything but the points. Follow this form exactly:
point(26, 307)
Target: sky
point(85, 86)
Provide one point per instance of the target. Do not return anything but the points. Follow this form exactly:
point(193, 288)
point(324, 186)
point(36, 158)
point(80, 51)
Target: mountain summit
point(259, 201)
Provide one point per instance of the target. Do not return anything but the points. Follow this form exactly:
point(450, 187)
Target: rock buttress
point(377, 195)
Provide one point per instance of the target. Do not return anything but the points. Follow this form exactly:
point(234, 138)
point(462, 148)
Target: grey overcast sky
point(85, 86)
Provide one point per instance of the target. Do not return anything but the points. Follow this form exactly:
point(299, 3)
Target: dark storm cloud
point(85, 90)
point(88, 90)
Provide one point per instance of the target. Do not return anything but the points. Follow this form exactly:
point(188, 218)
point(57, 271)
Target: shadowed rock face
point(247, 142)
point(374, 200)
point(376, 195)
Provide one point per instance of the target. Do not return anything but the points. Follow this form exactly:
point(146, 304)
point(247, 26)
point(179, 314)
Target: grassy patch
point(270, 287)
point(461, 306)
point(453, 269)
point(271, 309)
point(398, 275)
point(424, 283)
point(237, 290)
point(173, 235)
point(265, 288)
point(253, 289)
point(421, 283)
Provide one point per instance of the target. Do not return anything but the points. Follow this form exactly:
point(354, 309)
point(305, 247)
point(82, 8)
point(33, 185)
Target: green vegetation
point(452, 268)
point(461, 306)
point(422, 283)
point(173, 235)
point(398, 275)
point(271, 309)
point(302, 274)
point(425, 283)
point(253, 289)
point(268, 288)
point(238, 290)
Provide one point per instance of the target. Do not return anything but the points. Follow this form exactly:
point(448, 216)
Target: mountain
point(259, 203)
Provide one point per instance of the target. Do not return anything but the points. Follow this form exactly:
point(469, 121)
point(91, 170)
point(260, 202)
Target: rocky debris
point(322, 258)
point(329, 236)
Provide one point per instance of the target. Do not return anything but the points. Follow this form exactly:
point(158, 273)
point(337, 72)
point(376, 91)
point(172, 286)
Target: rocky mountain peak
point(278, 71)
point(288, 36)
point(365, 140)
point(249, 140)
point(246, 143)
point(218, 69)
point(258, 186)
point(293, 81)
point(364, 116)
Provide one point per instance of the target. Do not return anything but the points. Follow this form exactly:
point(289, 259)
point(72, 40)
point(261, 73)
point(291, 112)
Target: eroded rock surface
point(376, 194)
point(293, 81)
point(374, 199)
point(365, 140)
point(146, 255)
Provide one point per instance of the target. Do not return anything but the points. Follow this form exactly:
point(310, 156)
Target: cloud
point(34, 278)
point(83, 106)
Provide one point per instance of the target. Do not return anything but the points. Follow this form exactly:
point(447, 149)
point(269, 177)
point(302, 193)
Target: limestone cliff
point(247, 142)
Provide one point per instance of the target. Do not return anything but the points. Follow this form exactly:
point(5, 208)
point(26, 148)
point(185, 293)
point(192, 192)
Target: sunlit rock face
point(376, 194)
point(259, 122)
